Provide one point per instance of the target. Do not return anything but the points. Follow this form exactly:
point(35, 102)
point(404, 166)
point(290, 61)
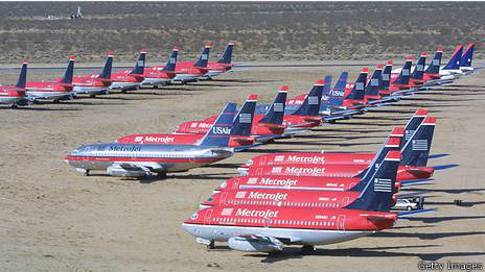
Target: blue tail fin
point(393, 142)
point(139, 68)
point(172, 61)
point(226, 57)
point(327, 87)
point(218, 134)
point(108, 66)
point(372, 88)
point(357, 92)
point(467, 57)
point(67, 79)
point(416, 150)
point(204, 57)
point(276, 111)
point(403, 77)
point(243, 122)
point(22, 77)
point(336, 95)
point(434, 67)
point(418, 71)
point(454, 62)
point(386, 77)
point(413, 124)
point(377, 195)
point(311, 105)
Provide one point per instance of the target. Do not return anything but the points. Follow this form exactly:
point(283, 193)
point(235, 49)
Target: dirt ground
point(53, 219)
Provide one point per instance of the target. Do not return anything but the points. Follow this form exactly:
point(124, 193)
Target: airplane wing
point(258, 243)
point(408, 195)
point(134, 169)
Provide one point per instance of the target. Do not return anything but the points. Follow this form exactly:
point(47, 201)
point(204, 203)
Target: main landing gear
point(211, 245)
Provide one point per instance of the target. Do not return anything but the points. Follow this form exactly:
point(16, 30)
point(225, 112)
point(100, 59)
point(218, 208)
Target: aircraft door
point(224, 197)
point(208, 216)
point(345, 202)
point(341, 222)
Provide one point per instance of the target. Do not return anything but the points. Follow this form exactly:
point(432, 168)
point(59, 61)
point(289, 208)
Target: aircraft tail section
point(108, 66)
point(454, 62)
point(357, 92)
point(67, 79)
point(418, 71)
point(413, 124)
point(226, 57)
point(434, 66)
point(336, 95)
point(139, 68)
point(204, 57)
point(276, 112)
point(218, 134)
point(243, 121)
point(311, 104)
point(22, 77)
point(416, 150)
point(403, 78)
point(378, 193)
point(467, 57)
point(386, 77)
point(372, 88)
point(172, 61)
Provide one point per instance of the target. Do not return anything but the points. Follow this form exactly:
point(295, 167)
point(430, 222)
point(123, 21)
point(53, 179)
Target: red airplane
point(96, 83)
point(192, 71)
point(239, 135)
point(268, 229)
point(223, 65)
point(125, 80)
point(60, 89)
point(415, 154)
point(161, 75)
point(268, 126)
point(15, 95)
point(322, 157)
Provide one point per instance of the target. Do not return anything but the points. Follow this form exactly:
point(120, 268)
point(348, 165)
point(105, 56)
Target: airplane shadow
point(436, 156)
point(36, 108)
point(445, 166)
point(444, 218)
point(295, 253)
point(427, 236)
point(451, 203)
point(447, 191)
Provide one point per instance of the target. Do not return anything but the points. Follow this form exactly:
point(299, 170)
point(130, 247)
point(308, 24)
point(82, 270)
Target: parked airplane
point(94, 84)
point(60, 89)
point(223, 65)
point(126, 80)
point(239, 131)
point(190, 72)
point(260, 228)
point(306, 116)
point(323, 197)
point(136, 160)
point(466, 60)
point(415, 157)
point(452, 69)
point(161, 75)
point(15, 95)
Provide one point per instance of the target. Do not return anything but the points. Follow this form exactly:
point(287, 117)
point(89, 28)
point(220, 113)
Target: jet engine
point(260, 244)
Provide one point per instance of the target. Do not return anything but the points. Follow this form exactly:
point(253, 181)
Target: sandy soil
point(53, 219)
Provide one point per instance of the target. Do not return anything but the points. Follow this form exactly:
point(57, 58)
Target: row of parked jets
point(299, 198)
point(69, 86)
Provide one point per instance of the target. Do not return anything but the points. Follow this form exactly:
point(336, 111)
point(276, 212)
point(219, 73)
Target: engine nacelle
point(121, 172)
point(258, 245)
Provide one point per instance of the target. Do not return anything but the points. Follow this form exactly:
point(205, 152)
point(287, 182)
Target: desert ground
point(54, 219)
